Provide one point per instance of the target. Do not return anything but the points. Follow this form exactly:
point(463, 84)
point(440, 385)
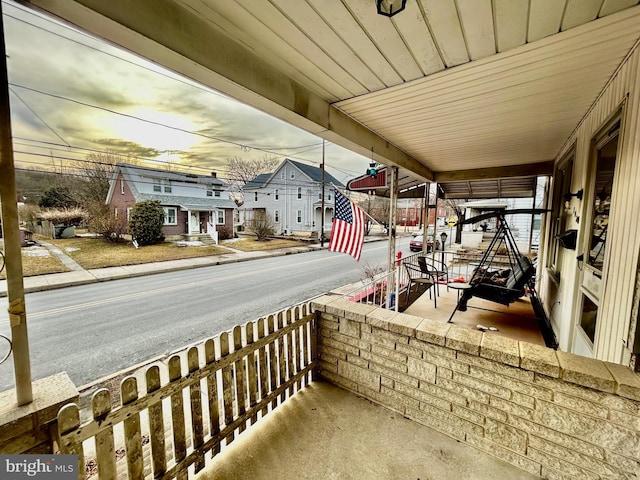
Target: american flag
point(347, 232)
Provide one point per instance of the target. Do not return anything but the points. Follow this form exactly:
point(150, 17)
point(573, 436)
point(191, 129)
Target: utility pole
point(12, 248)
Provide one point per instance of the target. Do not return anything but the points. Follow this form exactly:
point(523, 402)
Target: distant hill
point(30, 184)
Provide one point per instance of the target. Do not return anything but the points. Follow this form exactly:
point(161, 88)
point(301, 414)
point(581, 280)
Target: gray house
point(291, 197)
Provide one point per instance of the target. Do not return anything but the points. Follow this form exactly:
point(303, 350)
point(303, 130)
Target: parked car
point(415, 245)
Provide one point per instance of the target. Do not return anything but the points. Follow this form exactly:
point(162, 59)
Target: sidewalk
point(79, 276)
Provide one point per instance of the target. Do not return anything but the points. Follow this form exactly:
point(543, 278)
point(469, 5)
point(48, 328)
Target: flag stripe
point(347, 232)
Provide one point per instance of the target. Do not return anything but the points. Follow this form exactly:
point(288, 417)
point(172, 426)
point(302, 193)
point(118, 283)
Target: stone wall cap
point(432, 331)
point(464, 339)
point(380, 317)
point(539, 359)
point(500, 348)
point(404, 324)
point(585, 371)
point(320, 303)
point(627, 381)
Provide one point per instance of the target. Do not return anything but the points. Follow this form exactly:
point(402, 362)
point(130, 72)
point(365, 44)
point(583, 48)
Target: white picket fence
point(182, 414)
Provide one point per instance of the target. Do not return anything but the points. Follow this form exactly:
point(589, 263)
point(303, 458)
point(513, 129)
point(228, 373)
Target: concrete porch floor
point(324, 432)
point(516, 321)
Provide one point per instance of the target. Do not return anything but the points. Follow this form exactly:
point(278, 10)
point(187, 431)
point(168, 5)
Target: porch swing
point(504, 275)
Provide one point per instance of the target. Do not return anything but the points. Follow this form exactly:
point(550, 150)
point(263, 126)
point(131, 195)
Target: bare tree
point(263, 226)
point(242, 171)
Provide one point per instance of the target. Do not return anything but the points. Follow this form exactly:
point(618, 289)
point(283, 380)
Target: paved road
point(94, 330)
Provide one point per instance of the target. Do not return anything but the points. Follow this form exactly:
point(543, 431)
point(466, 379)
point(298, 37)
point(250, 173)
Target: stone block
point(596, 465)
point(479, 384)
point(380, 318)
point(394, 337)
point(339, 380)
point(511, 408)
point(357, 311)
point(501, 349)
point(537, 358)
point(390, 354)
point(424, 397)
point(588, 428)
point(350, 328)
point(319, 304)
point(464, 392)
point(444, 372)
point(359, 375)
point(488, 411)
point(422, 370)
point(343, 347)
point(502, 453)
point(567, 468)
point(580, 405)
point(337, 307)
point(443, 393)
point(409, 350)
point(358, 361)
point(464, 339)
point(349, 340)
point(627, 381)
point(433, 349)
point(512, 384)
point(439, 424)
point(432, 331)
point(505, 435)
point(586, 372)
point(398, 398)
point(467, 414)
point(404, 324)
point(498, 367)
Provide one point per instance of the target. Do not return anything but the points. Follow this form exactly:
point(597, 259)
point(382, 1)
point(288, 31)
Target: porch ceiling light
point(389, 8)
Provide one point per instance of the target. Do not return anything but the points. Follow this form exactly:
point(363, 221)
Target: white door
point(194, 222)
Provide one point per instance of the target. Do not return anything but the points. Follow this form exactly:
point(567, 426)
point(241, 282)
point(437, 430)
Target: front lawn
point(98, 253)
point(253, 245)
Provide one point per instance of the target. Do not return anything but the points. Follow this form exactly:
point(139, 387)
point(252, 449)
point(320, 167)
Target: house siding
point(616, 324)
point(119, 201)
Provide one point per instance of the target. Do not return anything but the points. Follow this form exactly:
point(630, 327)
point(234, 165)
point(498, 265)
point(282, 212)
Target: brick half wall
point(554, 414)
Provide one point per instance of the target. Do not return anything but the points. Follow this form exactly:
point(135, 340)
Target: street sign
point(451, 222)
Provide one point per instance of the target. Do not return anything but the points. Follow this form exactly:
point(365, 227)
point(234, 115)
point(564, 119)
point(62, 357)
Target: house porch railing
point(172, 415)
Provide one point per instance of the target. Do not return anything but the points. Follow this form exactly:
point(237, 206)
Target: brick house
point(195, 206)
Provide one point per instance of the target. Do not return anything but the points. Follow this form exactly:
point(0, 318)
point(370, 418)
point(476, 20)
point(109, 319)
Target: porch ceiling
point(443, 89)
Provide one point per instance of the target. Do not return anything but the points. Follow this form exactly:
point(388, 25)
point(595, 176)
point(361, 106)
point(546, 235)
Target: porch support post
point(12, 248)
point(393, 201)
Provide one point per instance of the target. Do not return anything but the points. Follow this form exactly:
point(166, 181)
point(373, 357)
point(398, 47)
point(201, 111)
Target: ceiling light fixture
point(389, 8)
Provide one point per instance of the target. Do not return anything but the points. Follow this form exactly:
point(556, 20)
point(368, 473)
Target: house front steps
point(204, 238)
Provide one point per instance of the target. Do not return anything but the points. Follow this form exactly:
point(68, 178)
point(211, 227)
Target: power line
point(37, 116)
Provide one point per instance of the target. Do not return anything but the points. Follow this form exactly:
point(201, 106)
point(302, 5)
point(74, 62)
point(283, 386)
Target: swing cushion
point(504, 286)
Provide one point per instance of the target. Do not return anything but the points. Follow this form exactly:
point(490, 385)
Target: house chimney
point(214, 174)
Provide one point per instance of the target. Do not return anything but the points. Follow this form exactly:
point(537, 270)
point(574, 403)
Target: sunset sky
point(71, 93)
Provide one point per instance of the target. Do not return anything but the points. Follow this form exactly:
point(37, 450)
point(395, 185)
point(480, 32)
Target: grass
point(253, 245)
point(98, 253)
point(37, 265)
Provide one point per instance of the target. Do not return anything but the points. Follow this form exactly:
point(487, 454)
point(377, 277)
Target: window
point(299, 216)
point(115, 212)
point(167, 186)
point(283, 175)
point(276, 216)
point(255, 196)
point(209, 193)
point(170, 216)
point(329, 196)
point(128, 213)
point(299, 193)
point(292, 174)
point(276, 193)
point(560, 213)
point(157, 185)
point(220, 217)
point(605, 169)
point(216, 193)
point(122, 186)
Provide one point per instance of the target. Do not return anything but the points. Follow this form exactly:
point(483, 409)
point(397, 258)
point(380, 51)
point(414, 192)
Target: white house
point(292, 197)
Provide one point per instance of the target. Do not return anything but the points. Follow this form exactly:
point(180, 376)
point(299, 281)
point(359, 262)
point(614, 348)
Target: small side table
point(458, 287)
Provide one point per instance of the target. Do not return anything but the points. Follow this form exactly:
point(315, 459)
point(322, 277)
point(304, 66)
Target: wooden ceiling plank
point(613, 6)
point(579, 12)
point(419, 39)
point(386, 38)
point(476, 18)
point(545, 18)
point(323, 34)
point(335, 14)
point(511, 18)
point(445, 24)
point(288, 38)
